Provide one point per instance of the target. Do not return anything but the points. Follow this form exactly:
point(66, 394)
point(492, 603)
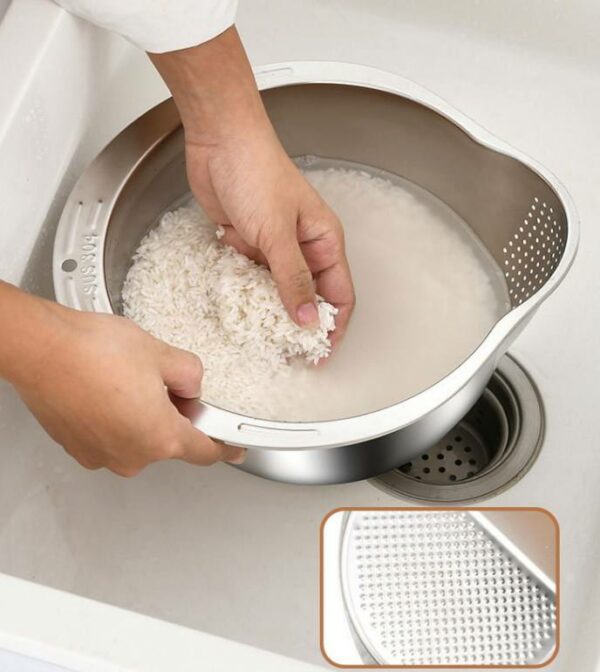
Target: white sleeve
point(158, 25)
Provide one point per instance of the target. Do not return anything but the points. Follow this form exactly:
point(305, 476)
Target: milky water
point(427, 295)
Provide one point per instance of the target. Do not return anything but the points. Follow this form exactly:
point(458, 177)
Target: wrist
point(31, 330)
point(214, 89)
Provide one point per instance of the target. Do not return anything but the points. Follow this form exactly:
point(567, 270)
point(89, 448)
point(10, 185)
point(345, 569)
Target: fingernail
point(238, 458)
point(308, 315)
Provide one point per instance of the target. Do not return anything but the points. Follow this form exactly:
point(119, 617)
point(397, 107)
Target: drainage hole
point(488, 447)
point(69, 265)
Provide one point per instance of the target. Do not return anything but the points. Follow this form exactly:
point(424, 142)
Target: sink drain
point(487, 451)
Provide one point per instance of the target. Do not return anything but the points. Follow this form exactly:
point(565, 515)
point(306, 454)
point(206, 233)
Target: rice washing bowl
point(414, 263)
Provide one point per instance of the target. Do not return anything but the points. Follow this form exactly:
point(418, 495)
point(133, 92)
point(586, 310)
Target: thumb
point(294, 280)
point(197, 448)
point(181, 372)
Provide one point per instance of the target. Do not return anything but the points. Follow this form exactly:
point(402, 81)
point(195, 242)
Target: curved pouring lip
point(255, 433)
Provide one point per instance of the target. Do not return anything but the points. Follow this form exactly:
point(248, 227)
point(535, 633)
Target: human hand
point(274, 216)
point(99, 385)
point(245, 181)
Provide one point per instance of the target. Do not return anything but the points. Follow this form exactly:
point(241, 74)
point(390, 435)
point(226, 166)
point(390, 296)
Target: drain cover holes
point(490, 448)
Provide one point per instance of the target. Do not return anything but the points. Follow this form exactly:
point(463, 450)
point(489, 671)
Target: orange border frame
point(440, 508)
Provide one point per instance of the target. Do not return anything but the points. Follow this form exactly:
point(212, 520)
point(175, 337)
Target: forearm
point(30, 328)
point(244, 180)
point(214, 88)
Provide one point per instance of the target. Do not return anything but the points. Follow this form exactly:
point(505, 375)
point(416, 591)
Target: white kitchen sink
point(3, 7)
point(215, 549)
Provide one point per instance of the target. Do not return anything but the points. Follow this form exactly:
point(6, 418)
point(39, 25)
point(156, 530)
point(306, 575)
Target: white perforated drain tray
point(443, 588)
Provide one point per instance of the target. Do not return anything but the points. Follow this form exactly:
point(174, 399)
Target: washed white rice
point(196, 293)
point(425, 300)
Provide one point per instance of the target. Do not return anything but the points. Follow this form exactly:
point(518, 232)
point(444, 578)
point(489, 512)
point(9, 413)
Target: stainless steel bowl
point(520, 212)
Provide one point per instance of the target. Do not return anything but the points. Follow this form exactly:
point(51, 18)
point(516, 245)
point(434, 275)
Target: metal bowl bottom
point(491, 448)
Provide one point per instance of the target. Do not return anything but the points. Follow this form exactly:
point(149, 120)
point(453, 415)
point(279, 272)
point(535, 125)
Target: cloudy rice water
point(427, 295)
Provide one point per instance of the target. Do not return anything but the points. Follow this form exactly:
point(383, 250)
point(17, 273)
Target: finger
point(334, 284)
point(325, 252)
point(199, 449)
point(124, 471)
point(89, 459)
point(233, 238)
point(293, 278)
point(181, 371)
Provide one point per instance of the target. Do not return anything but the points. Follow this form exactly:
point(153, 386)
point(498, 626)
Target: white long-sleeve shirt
point(158, 25)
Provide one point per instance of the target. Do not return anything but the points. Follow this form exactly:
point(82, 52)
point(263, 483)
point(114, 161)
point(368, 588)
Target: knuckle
point(330, 222)
point(172, 450)
point(84, 460)
point(130, 328)
point(125, 471)
point(336, 241)
point(334, 248)
point(163, 349)
point(170, 447)
point(334, 223)
point(88, 464)
point(339, 234)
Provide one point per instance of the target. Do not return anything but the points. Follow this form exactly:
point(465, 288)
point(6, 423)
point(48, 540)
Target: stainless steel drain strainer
point(443, 588)
point(460, 455)
point(492, 447)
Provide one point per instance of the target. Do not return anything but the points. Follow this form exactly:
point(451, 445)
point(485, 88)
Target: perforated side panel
point(434, 588)
point(534, 251)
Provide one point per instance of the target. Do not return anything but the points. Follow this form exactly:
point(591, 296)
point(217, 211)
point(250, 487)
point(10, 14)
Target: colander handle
point(243, 431)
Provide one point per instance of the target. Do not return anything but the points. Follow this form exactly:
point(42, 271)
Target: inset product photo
point(443, 587)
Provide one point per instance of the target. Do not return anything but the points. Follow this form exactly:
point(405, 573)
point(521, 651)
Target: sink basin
point(215, 549)
point(3, 7)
